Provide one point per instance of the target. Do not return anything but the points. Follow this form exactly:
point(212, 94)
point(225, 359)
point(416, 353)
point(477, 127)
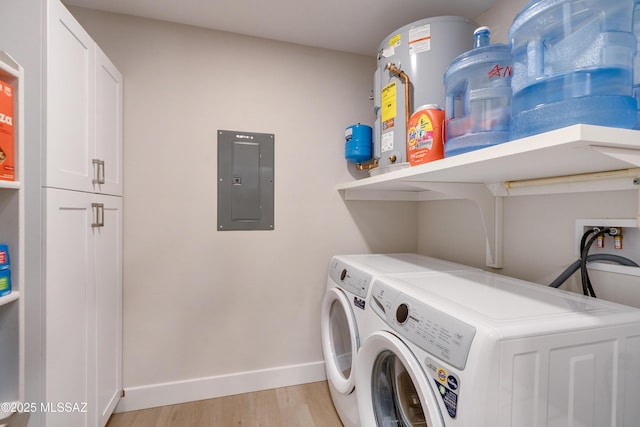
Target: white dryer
point(484, 350)
point(342, 316)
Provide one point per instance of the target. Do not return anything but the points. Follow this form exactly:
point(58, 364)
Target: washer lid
point(340, 340)
point(513, 306)
point(383, 264)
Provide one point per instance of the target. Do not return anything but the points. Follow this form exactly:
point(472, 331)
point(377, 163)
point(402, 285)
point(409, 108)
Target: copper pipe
point(405, 78)
point(372, 165)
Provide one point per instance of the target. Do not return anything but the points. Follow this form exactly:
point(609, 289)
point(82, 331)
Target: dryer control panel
point(350, 279)
point(433, 330)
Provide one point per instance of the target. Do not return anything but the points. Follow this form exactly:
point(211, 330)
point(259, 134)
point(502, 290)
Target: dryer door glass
point(395, 399)
point(341, 338)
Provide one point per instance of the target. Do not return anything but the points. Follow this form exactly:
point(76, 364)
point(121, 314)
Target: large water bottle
point(478, 96)
point(572, 63)
point(636, 62)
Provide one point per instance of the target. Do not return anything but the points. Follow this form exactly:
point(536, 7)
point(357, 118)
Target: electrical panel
point(245, 181)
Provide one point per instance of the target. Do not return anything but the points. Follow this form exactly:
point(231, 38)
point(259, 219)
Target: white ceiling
point(356, 26)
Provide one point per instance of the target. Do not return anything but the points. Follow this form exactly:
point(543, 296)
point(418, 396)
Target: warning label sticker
point(395, 40)
point(420, 39)
point(386, 142)
point(388, 96)
point(447, 384)
point(449, 398)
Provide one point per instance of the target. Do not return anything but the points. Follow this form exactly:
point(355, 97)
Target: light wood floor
point(307, 405)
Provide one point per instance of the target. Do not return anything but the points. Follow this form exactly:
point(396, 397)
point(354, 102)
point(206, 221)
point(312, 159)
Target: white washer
point(342, 316)
point(484, 350)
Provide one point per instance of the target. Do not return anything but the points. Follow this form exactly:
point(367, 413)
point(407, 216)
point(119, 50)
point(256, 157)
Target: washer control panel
point(436, 332)
point(350, 279)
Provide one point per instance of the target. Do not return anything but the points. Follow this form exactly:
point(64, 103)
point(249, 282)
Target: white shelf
point(11, 185)
point(574, 150)
point(572, 159)
point(12, 296)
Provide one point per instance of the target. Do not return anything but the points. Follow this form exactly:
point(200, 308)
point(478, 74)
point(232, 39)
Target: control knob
point(402, 313)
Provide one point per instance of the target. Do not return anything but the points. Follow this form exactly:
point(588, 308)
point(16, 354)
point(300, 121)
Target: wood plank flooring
point(306, 405)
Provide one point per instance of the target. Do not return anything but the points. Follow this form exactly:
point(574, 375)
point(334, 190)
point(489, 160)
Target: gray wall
point(538, 231)
point(198, 302)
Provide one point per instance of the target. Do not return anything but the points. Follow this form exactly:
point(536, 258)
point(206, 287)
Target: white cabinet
point(84, 110)
point(107, 159)
point(84, 304)
point(82, 225)
point(12, 233)
point(107, 250)
point(68, 301)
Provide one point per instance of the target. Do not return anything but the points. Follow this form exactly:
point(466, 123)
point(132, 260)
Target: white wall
point(539, 231)
point(199, 303)
point(500, 17)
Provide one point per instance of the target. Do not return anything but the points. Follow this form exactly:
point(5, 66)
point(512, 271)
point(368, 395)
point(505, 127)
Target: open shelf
point(574, 150)
point(10, 185)
point(571, 159)
point(12, 296)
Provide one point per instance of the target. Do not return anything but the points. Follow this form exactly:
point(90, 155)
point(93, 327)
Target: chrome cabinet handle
point(96, 171)
point(99, 214)
point(98, 167)
point(101, 173)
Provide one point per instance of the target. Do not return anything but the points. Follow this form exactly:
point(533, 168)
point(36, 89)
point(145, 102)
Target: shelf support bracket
point(628, 155)
point(491, 212)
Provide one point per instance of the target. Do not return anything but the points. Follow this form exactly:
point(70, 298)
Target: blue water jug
point(636, 62)
point(572, 63)
point(478, 96)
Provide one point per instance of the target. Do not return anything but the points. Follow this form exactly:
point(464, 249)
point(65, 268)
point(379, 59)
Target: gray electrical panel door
point(245, 181)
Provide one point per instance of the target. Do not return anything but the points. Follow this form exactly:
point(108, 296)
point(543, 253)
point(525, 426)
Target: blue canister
point(358, 143)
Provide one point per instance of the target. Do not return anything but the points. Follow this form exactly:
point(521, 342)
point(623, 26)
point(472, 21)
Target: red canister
point(424, 139)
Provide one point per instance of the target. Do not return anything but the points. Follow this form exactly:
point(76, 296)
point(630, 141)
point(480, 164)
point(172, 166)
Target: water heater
point(412, 60)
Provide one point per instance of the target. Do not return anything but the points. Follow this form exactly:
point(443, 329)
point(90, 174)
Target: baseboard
point(171, 393)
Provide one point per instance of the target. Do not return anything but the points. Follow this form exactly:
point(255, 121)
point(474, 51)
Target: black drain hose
point(595, 257)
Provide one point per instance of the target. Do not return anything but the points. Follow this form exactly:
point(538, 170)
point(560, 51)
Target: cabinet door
point(108, 120)
point(69, 309)
point(108, 303)
point(70, 102)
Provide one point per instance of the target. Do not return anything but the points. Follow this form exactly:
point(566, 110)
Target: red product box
point(7, 169)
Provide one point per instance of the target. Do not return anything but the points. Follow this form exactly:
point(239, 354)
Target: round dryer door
point(399, 392)
point(339, 340)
